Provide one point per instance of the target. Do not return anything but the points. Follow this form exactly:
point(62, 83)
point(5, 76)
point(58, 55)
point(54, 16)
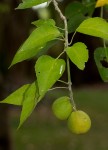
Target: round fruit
point(62, 108)
point(79, 122)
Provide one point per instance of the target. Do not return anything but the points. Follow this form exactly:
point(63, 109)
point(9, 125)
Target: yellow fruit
point(79, 122)
point(62, 108)
point(101, 3)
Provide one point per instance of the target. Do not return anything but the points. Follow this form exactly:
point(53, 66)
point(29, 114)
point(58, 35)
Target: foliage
point(77, 18)
point(78, 54)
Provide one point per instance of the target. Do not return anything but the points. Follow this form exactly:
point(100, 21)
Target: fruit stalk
point(65, 46)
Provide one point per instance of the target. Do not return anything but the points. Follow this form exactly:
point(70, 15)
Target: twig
point(60, 28)
point(58, 88)
point(60, 55)
point(63, 82)
point(65, 46)
point(72, 38)
point(60, 39)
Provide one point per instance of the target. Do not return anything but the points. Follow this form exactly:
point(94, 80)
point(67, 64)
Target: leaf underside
point(100, 56)
point(29, 103)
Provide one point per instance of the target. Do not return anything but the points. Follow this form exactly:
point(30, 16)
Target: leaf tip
point(19, 6)
point(19, 126)
point(16, 8)
point(10, 65)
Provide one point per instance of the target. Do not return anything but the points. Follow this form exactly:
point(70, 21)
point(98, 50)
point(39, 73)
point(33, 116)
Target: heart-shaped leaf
point(100, 56)
point(78, 54)
point(35, 42)
point(97, 27)
point(30, 3)
point(29, 103)
point(16, 98)
point(48, 71)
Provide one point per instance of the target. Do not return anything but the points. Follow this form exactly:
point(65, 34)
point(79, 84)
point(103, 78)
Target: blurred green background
point(42, 131)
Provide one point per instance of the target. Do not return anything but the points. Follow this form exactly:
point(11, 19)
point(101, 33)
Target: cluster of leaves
point(49, 70)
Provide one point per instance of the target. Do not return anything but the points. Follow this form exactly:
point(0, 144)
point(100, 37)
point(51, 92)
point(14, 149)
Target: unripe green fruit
point(79, 122)
point(62, 108)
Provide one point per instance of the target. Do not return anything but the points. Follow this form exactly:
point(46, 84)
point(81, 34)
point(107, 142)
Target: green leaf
point(35, 42)
point(29, 103)
point(97, 27)
point(44, 50)
point(48, 71)
point(30, 3)
point(78, 54)
point(90, 6)
point(100, 56)
point(41, 22)
point(16, 98)
point(75, 8)
point(75, 21)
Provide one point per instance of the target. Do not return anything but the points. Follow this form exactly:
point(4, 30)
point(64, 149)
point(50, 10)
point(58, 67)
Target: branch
point(65, 46)
point(58, 88)
point(64, 20)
